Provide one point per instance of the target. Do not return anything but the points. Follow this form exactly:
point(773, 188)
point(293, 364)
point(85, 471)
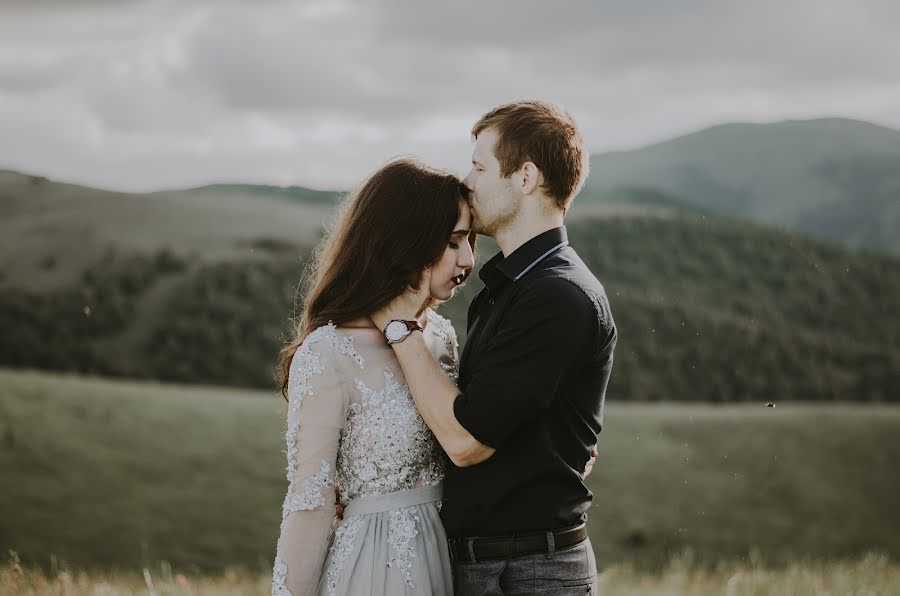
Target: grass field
point(98, 474)
point(868, 575)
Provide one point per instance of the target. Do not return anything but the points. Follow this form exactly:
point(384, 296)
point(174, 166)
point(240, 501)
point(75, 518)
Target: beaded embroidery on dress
point(352, 423)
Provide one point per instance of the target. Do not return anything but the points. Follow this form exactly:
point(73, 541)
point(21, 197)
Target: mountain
point(832, 178)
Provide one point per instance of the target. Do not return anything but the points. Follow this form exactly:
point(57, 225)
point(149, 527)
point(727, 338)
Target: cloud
point(143, 94)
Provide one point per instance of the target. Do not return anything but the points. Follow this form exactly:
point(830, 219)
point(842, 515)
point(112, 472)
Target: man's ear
point(532, 178)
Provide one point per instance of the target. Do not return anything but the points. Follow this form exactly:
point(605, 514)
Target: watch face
point(395, 330)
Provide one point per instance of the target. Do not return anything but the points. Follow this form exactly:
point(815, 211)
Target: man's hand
point(407, 306)
point(590, 463)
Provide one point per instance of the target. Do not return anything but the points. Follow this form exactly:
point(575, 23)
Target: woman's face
point(457, 259)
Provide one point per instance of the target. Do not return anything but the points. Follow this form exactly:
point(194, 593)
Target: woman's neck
point(359, 323)
point(366, 322)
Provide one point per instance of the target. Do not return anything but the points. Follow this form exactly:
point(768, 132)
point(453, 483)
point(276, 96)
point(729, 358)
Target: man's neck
point(524, 229)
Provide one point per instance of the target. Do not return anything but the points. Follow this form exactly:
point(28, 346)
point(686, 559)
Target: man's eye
point(454, 245)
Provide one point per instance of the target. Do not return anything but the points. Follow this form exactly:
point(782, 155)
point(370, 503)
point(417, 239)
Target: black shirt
point(533, 376)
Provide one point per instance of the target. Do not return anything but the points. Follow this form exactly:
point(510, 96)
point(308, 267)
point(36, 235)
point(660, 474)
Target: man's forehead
point(484, 145)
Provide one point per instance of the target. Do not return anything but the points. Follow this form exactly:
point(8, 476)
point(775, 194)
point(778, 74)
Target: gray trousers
point(571, 570)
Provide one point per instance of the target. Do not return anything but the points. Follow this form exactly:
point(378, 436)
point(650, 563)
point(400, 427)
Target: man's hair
point(544, 134)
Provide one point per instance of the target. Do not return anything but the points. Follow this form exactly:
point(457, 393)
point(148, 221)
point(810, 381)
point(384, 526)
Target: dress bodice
point(351, 422)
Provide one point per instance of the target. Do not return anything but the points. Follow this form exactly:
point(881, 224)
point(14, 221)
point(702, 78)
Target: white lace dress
point(351, 421)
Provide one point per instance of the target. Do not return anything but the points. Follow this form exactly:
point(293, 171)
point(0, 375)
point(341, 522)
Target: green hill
point(294, 193)
point(717, 309)
point(833, 178)
point(722, 310)
point(112, 474)
point(632, 201)
point(198, 287)
point(638, 196)
point(52, 232)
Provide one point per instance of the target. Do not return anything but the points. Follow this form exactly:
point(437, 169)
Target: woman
point(351, 419)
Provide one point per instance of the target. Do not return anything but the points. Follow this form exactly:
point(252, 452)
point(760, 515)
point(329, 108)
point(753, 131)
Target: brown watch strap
point(410, 327)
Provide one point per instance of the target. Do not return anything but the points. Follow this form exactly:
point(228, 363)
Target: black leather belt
point(480, 548)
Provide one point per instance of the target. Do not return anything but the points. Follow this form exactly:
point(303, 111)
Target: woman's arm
point(316, 412)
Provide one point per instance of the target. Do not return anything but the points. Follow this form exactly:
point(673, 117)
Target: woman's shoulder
point(441, 323)
point(329, 337)
point(442, 328)
point(323, 359)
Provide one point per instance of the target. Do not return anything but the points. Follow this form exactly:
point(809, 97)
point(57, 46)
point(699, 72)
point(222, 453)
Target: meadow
point(105, 475)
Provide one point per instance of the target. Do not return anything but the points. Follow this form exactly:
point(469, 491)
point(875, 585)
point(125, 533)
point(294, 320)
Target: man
point(523, 421)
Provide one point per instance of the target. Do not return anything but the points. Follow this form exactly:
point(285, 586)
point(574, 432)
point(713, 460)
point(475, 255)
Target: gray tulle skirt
point(390, 544)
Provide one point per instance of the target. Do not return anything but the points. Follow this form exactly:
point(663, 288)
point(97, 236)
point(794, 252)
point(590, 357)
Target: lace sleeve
point(447, 352)
point(316, 412)
point(454, 342)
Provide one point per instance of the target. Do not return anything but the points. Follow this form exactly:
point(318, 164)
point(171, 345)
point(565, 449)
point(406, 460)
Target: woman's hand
point(338, 508)
point(590, 463)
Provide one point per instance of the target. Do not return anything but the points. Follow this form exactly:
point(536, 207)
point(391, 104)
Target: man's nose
point(467, 182)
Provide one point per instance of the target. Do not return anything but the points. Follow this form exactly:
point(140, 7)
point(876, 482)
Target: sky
point(145, 95)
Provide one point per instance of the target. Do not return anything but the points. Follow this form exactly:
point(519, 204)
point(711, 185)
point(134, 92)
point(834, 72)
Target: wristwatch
point(398, 330)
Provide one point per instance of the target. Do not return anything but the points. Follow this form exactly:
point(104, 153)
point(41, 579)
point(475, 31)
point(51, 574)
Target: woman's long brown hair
point(397, 225)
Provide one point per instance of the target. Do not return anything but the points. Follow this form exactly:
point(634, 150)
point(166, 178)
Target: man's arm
point(544, 331)
point(434, 394)
point(432, 390)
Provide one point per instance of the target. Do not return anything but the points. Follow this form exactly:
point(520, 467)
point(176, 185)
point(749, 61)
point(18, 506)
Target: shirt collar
point(498, 270)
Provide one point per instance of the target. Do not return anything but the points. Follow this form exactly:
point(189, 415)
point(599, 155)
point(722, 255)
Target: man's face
point(493, 199)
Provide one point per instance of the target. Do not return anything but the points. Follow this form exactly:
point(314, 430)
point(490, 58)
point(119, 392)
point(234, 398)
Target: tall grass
point(868, 575)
